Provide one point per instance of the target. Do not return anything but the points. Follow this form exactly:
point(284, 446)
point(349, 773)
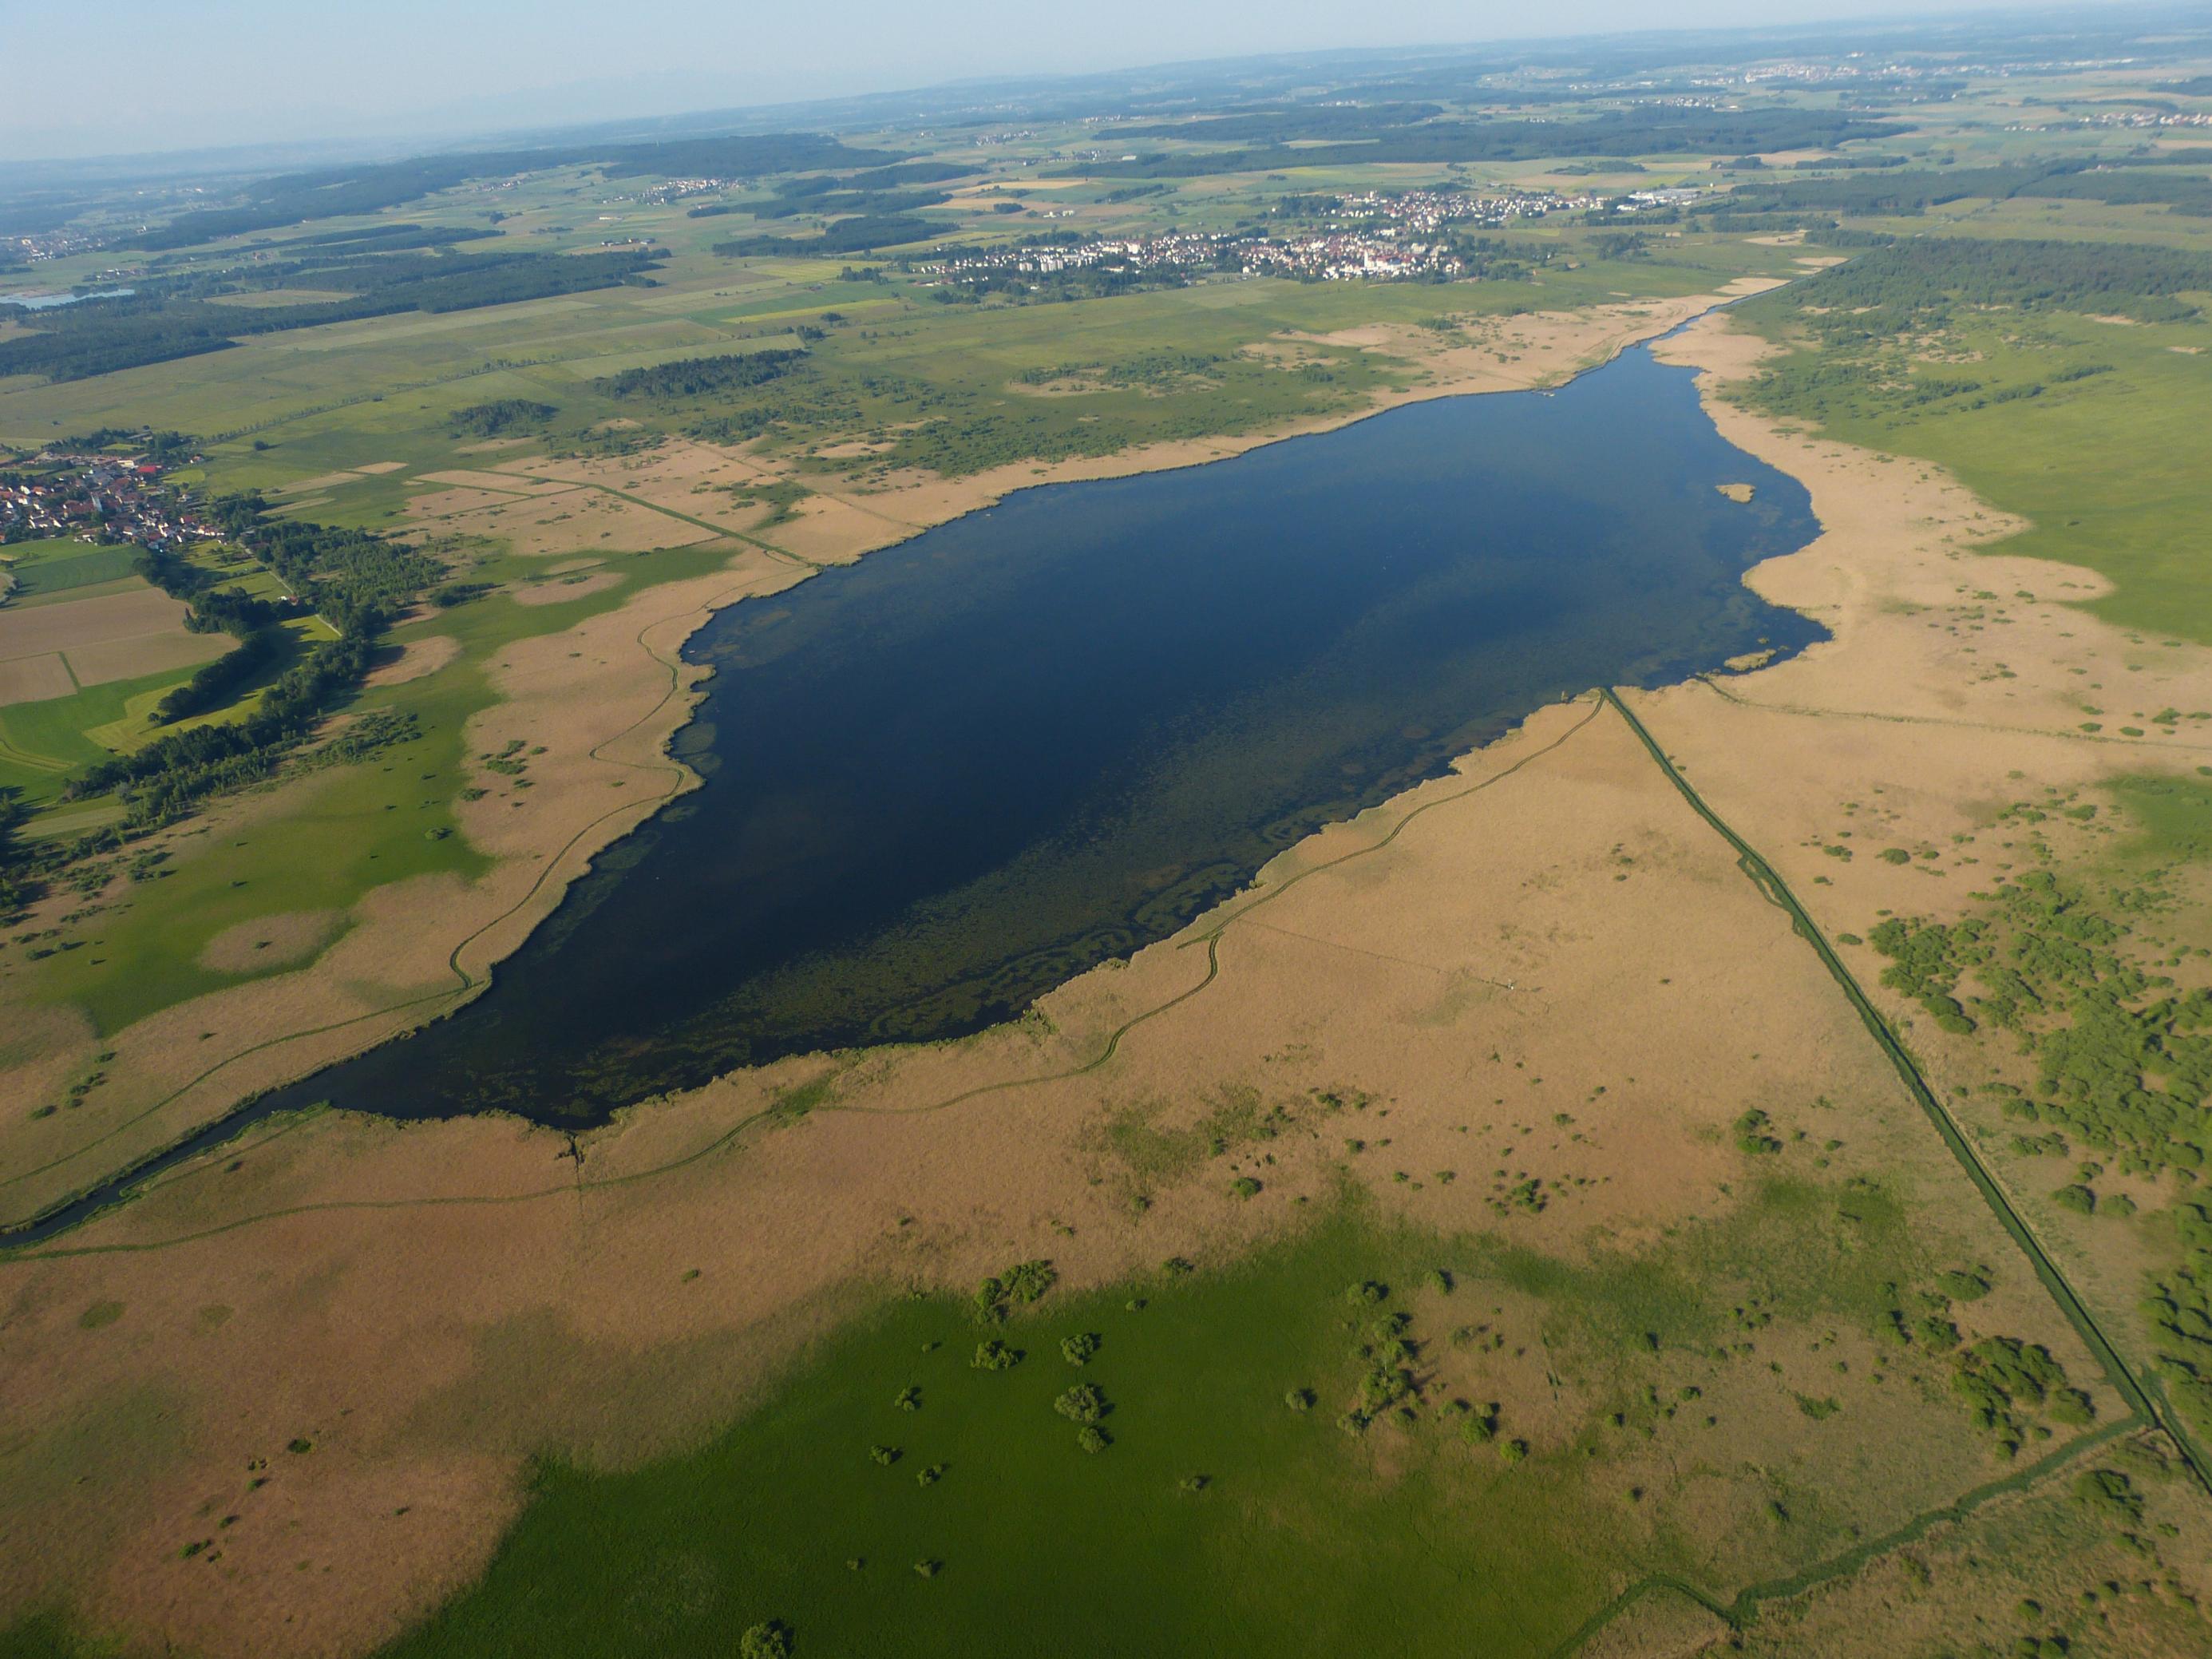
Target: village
point(95, 497)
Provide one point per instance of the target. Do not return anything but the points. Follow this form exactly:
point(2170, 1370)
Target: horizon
point(417, 107)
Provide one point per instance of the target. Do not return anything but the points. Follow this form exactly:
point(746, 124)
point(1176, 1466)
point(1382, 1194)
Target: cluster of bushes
point(2099, 1029)
point(702, 377)
point(2179, 1303)
point(2049, 966)
point(2005, 1381)
point(499, 417)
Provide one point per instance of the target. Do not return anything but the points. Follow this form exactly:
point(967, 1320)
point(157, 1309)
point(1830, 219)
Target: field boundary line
point(1809, 712)
point(1764, 876)
point(1743, 1607)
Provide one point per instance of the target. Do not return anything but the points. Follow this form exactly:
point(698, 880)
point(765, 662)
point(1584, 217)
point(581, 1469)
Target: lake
point(46, 301)
point(948, 778)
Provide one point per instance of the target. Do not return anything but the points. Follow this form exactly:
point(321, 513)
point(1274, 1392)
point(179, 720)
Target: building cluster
point(36, 250)
point(2132, 119)
point(675, 190)
point(1430, 211)
point(1407, 245)
point(1333, 254)
point(1855, 66)
point(1337, 256)
point(95, 497)
point(1638, 201)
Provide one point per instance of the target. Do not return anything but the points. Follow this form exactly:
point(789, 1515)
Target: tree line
point(336, 193)
point(160, 323)
point(356, 581)
point(1643, 132)
point(1907, 284)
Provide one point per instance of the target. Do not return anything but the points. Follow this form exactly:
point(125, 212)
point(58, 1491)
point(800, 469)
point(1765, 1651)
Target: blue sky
point(140, 75)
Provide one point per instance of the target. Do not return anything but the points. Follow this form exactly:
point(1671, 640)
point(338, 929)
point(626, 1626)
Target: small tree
point(770, 1639)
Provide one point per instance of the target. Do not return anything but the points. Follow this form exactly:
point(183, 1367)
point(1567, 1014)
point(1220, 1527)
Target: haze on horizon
point(142, 77)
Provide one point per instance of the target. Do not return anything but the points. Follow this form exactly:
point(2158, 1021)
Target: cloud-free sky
point(122, 75)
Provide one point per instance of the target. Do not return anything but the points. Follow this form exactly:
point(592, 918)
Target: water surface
point(948, 778)
point(46, 301)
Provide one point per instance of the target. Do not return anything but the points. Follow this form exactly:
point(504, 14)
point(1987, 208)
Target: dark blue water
point(944, 779)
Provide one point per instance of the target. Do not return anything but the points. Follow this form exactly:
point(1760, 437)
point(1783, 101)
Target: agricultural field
point(1717, 1169)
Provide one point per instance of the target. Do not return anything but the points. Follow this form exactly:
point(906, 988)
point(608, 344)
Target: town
point(1386, 252)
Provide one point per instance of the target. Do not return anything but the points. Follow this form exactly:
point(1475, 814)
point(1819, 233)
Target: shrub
point(1963, 1286)
point(1949, 1016)
point(2072, 1407)
point(2079, 1199)
point(770, 1639)
point(1367, 1291)
point(885, 1455)
point(1299, 1399)
point(1028, 1280)
point(1753, 1134)
point(1092, 1439)
point(1245, 1186)
point(1083, 1403)
point(995, 1356)
point(910, 1399)
point(1514, 1450)
point(1077, 1350)
point(1440, 1280)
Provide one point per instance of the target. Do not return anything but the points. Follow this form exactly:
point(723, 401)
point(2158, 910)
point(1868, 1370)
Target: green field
point(1232, 1511)
point(2108, 468)
point(352, 829)
point(62, 566)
